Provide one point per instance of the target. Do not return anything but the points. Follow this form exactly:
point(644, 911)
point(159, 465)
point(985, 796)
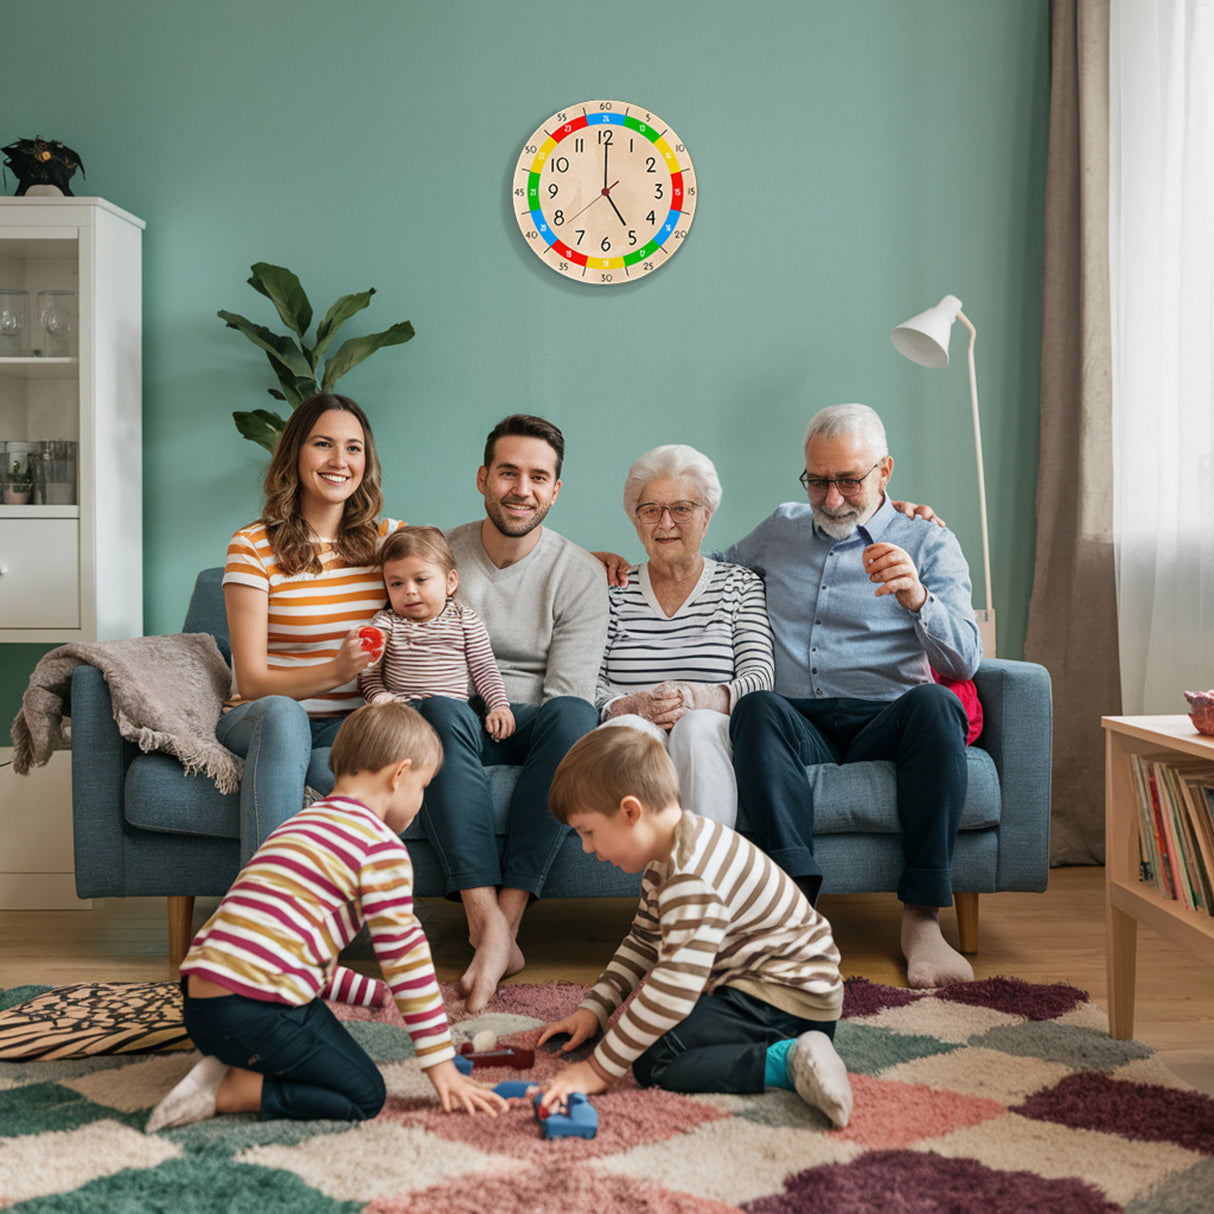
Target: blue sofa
point(142, 827)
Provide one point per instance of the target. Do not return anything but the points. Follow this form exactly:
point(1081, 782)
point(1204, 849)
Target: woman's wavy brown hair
point(292, 540)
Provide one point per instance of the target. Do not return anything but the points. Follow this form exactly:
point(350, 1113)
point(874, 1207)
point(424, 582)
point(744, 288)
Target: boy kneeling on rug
point(255, 974)
point(743, 989)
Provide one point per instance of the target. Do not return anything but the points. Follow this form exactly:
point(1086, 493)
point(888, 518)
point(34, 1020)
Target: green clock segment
point(604, 192)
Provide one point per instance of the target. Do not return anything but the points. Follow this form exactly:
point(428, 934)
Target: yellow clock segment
point(604, 192)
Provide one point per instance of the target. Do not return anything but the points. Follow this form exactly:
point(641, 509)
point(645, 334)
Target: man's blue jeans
point(923, 732)
point(313, 1068)
point(457, 813)
point(721, 1045)
point(276, 738)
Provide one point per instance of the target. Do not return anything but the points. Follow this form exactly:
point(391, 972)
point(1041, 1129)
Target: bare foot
point(930, 960)
point(497, 956)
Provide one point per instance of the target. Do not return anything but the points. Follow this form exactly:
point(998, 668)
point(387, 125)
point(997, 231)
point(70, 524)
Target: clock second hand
point(605, 192)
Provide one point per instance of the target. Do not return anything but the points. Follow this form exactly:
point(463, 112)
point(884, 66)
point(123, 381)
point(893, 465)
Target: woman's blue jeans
point(283, 750)
point(311, 1065)
point(721, 1045)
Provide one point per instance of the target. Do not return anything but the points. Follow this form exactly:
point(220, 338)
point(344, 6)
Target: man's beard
point(837, 528)
point(513, 527)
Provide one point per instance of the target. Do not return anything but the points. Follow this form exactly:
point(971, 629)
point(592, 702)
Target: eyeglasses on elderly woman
point(681, 513)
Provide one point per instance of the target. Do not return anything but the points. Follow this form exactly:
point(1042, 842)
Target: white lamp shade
point(924, 338)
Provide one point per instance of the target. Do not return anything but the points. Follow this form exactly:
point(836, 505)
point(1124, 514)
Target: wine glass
point(57, 315)
point(14, 309)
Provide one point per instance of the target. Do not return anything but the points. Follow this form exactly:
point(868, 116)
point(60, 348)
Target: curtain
point(1072, 625)
point(1161, 250)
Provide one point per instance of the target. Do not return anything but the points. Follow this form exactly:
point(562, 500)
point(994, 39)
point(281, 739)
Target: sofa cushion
point(857, 798)
point(861, 798)
point(158, 795)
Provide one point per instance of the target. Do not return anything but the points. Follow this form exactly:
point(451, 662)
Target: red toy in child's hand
point(372, 638)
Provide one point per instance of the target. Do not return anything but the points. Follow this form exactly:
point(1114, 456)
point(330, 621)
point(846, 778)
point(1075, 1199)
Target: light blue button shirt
point(833, 635)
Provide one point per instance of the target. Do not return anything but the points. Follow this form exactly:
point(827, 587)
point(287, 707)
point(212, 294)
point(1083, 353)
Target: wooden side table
point(1129, 901)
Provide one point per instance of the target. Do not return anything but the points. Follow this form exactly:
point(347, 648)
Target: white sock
point(193, 1099)
point(930, 960)
point(819, 1076)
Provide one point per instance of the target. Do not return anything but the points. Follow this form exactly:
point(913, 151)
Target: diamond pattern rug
point(987, 1097)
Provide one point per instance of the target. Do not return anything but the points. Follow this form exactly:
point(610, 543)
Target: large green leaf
point(351, 353)
point(337, 316)
point(261, 426)
point(295, 389)
point(279, 347)
point(285, 292)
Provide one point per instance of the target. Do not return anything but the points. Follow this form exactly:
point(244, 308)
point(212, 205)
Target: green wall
point(855, 162)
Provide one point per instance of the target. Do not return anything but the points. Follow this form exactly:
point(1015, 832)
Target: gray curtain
point(1072, 625)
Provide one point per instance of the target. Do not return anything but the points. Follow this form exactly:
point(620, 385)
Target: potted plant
point(18, 484)
point(294, 360)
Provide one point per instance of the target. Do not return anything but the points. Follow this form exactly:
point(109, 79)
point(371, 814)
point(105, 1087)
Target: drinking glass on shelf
point(58, 472)
point(14, 315)
point(57, 318)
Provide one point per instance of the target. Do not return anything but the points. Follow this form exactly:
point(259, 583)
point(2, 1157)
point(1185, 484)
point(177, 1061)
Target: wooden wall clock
point(604, 192)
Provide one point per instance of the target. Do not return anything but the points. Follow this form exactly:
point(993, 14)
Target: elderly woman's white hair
point(857, 421)
point(672, 459)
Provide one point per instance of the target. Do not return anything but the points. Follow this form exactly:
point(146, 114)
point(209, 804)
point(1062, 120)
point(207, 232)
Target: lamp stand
point(986, 619)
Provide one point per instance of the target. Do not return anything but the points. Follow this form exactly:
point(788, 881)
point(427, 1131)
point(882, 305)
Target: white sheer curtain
point(1161, 263)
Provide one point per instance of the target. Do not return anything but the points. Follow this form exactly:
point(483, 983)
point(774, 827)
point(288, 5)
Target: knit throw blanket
point(167, 691)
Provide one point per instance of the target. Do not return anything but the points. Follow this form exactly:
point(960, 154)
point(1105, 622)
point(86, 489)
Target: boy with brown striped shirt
point(743, 987)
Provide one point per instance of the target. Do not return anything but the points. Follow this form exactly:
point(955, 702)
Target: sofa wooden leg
point(967, 921)
point(181, 920)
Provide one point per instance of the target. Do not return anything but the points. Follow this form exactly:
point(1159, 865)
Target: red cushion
point(968, 694)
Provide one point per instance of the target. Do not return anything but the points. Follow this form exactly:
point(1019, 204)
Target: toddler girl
point(432, 644)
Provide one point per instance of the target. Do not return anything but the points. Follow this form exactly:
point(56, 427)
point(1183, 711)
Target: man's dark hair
point(524, 425)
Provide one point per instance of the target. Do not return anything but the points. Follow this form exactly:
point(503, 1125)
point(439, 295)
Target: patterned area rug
point(993, 1096)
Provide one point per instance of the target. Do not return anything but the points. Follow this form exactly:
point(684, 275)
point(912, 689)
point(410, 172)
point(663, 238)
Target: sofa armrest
point(1017, 732)
point(100, 757)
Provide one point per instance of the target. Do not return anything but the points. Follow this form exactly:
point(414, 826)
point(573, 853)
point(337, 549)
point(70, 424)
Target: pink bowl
point(1201, 704)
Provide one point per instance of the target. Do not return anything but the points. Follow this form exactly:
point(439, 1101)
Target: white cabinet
point(71, 559)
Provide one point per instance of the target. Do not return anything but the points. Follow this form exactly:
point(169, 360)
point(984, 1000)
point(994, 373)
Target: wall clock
point(604, 192)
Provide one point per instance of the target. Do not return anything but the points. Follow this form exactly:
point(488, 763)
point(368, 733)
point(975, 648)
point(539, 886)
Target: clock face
point(604, 192)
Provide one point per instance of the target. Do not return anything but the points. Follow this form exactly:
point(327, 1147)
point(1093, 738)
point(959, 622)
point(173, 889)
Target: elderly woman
point(687, 636)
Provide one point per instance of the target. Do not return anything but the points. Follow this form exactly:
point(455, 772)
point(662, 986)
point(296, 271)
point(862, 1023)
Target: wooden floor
point(1057, 936)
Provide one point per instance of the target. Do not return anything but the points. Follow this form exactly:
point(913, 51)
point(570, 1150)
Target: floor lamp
point(924, 340)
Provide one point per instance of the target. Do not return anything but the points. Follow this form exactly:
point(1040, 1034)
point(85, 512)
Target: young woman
point(298, 585)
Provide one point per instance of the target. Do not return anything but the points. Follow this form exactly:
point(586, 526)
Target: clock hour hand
point(617, 210)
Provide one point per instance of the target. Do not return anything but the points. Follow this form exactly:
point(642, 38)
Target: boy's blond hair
point(606, 766)
point(376, 736)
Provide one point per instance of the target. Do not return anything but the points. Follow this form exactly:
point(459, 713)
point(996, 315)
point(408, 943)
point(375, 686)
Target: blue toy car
point(579, 1120)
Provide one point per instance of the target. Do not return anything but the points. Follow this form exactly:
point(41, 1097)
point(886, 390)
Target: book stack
point(1176, 820)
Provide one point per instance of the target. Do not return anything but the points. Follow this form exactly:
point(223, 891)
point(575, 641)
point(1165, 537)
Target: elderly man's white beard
point(838, 527)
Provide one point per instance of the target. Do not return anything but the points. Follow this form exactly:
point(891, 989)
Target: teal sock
point(776, 1073)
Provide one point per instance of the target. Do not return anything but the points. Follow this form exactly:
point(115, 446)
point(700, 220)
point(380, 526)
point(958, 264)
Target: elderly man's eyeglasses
point(681, 513)
point(847, 485)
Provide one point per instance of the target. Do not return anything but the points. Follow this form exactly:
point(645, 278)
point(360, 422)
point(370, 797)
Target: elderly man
point(864, 603)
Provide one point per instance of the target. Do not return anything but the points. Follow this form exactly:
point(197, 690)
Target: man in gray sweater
point(544, 602)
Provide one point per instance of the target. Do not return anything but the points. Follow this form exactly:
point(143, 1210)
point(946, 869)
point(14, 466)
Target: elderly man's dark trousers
point(922, 733)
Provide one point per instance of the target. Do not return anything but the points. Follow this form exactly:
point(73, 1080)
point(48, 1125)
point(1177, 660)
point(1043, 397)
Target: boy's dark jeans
point(313, 1068)
point(721, 1046)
